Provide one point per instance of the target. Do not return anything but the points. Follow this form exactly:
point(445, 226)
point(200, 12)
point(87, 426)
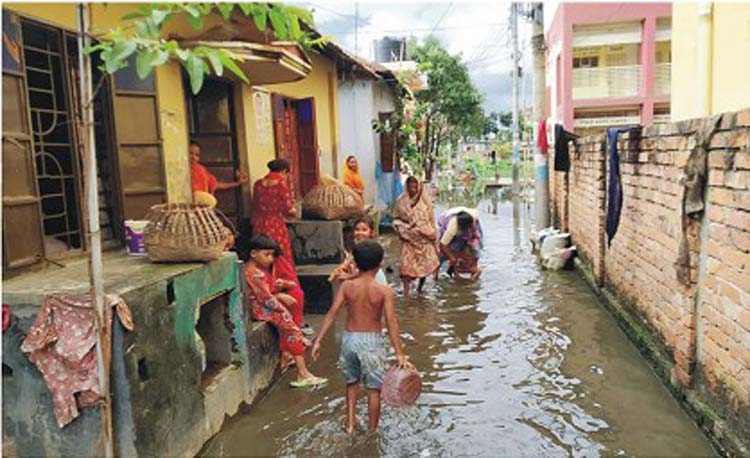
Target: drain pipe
point(705, 44)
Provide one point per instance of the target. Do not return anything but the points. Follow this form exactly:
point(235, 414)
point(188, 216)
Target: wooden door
point(140, 162)
point(22, 217)
point(285, 132)
point(309, 163)
point(212, 125)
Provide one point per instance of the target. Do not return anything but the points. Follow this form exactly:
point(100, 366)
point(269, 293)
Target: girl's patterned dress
point(265, 307)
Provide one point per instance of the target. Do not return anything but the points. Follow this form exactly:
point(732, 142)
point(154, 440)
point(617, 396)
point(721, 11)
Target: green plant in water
point(146, 42)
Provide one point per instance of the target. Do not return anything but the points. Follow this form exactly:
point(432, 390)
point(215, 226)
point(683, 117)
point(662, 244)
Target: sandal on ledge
point(308, 382)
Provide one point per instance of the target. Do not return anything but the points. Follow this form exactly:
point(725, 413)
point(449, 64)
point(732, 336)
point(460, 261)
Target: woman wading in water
point(414, 222)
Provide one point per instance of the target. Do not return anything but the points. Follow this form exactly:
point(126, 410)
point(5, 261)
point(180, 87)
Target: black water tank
point(390, 49)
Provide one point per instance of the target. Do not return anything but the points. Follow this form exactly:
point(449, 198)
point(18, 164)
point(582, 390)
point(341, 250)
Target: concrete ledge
point(653, 350)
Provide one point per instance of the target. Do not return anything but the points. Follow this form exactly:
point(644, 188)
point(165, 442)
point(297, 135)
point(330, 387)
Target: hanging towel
point(541, 137)
point(562, 156)
point(62, 344)
point(614, 189)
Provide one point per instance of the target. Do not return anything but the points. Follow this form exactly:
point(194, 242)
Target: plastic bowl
point(401, 387)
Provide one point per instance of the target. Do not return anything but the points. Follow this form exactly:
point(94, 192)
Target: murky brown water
point(524, 363)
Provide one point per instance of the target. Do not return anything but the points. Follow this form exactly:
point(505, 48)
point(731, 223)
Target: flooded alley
point(523, 363)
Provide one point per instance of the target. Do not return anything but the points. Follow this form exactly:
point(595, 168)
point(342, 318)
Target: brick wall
point(724, 348)
point(587, 216)
point(558, 191)
point(684, 273)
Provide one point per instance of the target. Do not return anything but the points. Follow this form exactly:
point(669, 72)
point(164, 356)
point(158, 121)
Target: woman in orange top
point(352, 177)
point(205, 181)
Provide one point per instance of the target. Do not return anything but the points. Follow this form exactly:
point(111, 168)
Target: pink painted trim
point(561, 30)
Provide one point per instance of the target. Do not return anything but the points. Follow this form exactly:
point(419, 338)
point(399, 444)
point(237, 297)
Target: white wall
point(357, 137)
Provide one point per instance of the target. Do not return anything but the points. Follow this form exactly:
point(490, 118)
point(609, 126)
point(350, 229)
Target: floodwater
point(523, 363)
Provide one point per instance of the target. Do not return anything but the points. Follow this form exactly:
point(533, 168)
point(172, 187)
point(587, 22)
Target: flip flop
point(308, 382)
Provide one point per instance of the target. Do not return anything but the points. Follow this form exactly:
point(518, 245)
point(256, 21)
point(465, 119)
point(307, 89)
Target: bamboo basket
point(331, 202)
point(184, 232)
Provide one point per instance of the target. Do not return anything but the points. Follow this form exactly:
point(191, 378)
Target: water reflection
point(522, 363)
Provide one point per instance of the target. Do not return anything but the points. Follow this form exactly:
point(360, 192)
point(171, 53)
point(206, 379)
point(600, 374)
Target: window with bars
point(42, 176)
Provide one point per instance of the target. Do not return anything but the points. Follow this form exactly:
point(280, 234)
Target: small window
point(585, 62)
point(127, 79)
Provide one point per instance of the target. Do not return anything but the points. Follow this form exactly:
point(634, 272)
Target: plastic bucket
point(134, 230)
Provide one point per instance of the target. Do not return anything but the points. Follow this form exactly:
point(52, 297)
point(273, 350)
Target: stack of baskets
point(184, 232)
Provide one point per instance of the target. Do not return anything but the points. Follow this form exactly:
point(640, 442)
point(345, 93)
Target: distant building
point(720, 83)
point(389, 49)
point(609, 64)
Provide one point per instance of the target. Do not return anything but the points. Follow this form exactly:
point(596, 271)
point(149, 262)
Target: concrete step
point(318, 291)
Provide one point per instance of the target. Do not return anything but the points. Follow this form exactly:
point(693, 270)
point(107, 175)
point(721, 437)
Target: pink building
point(608, 64)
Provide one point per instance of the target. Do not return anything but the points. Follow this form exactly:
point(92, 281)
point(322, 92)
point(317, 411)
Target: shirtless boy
point(363, 349)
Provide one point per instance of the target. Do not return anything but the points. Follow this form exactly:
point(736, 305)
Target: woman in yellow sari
point(414, 222)
point(352, 177)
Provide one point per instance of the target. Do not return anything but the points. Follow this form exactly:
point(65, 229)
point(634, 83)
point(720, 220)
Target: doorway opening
point(296, 141)
point(212, 125)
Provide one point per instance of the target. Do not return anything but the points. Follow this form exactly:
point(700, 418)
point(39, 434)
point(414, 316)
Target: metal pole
point(356, 28)
point(514, 79)
point(541, 184)
point(86, 142)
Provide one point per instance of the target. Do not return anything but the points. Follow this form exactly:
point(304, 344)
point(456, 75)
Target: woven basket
point(401, 387)
point(332, 201)
point(184, 232)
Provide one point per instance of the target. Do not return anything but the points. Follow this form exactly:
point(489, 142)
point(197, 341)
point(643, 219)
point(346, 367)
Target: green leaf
point(216, 63)
point(294, 29)
point(183, 54)
point(260, 18)
point(114, 58)
point(225, 9)
point(279, 24)
point(301, 13)
point(142, 29)
point(131, 16)
point(195, 21)
point(143, 64)
point(171, 46)
point(205, 8)
point(194, 67)
point(246, 8)
point(192, 11)
point(233, 67)
point(94, 48)
point(158, 16)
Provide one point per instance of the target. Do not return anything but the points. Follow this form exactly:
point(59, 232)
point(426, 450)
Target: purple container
point(134, 231)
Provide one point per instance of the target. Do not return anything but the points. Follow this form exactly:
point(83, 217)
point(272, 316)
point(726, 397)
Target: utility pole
point(541, 184)
point(514, 78)
point(356, 28)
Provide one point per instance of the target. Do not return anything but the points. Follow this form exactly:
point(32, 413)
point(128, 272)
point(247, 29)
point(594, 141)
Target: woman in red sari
point(272, 205)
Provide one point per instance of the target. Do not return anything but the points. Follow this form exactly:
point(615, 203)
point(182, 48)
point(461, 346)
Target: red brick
point(742, 160)
point(743, 118)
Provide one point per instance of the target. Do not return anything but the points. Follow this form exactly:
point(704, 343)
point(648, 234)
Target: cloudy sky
point(480, 32)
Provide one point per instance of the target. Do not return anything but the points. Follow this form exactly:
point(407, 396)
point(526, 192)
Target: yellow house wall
point(172, 110)
point(729, 50)
point(321, 84)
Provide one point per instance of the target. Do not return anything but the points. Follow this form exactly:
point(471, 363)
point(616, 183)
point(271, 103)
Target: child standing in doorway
point(363, 351)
